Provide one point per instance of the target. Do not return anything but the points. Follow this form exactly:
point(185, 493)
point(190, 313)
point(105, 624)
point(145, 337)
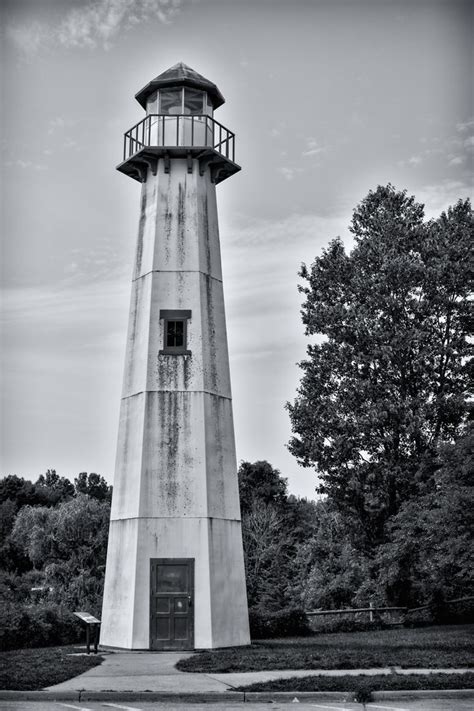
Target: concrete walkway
point(155, 672)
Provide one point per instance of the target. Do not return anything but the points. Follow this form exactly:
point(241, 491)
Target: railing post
point(192, 129)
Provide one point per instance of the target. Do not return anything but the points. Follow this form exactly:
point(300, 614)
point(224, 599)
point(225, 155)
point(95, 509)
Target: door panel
point(172, 603)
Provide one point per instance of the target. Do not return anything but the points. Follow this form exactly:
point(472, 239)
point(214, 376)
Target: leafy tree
point(329, 571)
point(273, 524)
point(388, 380)
point(259, 481)
point(68, 543)
point(15, 492)
point(19, 490)
point(93, 485)
point(53, 488)
point(429, 554)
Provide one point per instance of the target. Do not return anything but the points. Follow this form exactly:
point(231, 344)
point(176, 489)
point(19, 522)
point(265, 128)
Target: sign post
point(90, 621)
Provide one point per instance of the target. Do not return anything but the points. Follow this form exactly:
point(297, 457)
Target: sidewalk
point(151, 676)
point(148, 671)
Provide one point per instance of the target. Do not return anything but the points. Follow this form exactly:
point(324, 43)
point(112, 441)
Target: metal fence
point(180, 130)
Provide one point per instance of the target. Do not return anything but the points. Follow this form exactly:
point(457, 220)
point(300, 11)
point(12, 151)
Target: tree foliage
point(388, 380)
point(273, 525)
point(429, 554)
point(93, 485)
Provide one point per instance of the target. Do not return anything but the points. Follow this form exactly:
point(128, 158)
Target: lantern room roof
point(181, 75)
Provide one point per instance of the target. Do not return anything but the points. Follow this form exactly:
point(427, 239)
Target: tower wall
point(175, 489)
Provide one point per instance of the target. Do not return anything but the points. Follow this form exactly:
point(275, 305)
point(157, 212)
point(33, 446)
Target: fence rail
point(355, 610)
point(179, 130)
point(394, 615)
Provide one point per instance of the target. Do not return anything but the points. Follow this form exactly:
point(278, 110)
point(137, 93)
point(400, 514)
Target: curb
point(236, 696)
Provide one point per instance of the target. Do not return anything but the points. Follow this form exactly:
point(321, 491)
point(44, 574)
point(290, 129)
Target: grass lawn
point(441, 646)
point(381, 682)
point(29, 669)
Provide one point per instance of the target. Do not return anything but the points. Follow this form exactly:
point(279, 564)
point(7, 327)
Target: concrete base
point(220, 603)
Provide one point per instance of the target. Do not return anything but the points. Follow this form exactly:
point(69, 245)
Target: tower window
point(193, 101)
point(175, 331)
point(171, 101)
point(184, 101)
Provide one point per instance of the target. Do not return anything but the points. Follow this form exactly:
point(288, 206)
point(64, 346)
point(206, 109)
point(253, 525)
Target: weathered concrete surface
point(175, 489)
point(156, 672)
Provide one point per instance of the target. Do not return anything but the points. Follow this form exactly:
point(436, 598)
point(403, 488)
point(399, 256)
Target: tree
point(68, 543)
point(429, 554)
point(93, 485)
point(329, 572)
point(259, 481)
point(388, 380)
point(53, 488)
point(273, 525)
point(18, 490)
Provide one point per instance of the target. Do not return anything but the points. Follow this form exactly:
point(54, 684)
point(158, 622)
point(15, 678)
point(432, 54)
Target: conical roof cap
point(181, 75)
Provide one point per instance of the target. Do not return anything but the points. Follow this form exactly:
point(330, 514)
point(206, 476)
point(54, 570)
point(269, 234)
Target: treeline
point(299, 554)
point(305, 554)
point(52, 555)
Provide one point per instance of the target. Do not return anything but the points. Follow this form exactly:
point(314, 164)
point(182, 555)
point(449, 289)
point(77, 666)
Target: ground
point(435, 647)
point(36, 668)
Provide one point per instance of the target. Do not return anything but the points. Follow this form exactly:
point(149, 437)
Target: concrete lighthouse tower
point(175, 572)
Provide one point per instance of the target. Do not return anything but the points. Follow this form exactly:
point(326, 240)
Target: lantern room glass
point(174, 126)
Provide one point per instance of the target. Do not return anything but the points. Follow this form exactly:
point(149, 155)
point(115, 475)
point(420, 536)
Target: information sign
point(93, 622)
point(88, 618)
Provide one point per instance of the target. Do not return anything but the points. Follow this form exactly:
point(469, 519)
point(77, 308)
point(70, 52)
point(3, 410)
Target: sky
point(327, 99)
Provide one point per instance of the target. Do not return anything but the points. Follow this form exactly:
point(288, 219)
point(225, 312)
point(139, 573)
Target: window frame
point(206, 103)
point(173, 315)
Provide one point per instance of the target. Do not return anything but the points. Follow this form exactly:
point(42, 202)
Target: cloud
point(287, 172)
point(29, 38)
point(467, 126)
point(438, 197)
point(96, 23)
point(456, 160)
point(313, 147)
point(23, 164)
point(414, 160)
point(59, 123)
point(313, 151)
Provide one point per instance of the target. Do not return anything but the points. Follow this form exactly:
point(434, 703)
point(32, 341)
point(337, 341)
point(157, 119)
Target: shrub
point(37, 626)
point(291, 622)
point(345, 625)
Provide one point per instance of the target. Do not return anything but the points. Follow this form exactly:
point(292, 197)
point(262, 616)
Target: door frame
point(174, 561)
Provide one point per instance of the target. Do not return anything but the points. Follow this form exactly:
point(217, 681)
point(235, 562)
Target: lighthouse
point(175, 574)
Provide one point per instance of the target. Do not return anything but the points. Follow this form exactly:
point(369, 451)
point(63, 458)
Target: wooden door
point(172, 603)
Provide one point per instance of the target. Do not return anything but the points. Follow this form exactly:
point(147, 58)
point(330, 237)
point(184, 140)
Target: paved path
point(148, 671)
point(141, 671)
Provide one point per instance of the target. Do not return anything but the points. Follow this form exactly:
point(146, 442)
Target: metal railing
point(179, 130)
